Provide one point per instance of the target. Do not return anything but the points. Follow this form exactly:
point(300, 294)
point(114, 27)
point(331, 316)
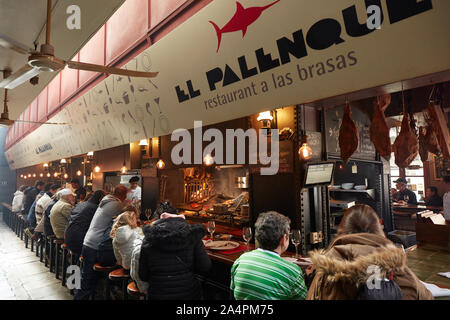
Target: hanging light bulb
point(66, 175)
point(29, 175)
point(124, 168)
point(48, 175)
point(208, 160)
point(34, 175)
point(97, 169)
point(25, 177)
point(21, 175)
point(55, 174)
point(41, 175)
point(305, 152)
point(79, 173)
point(160, 164)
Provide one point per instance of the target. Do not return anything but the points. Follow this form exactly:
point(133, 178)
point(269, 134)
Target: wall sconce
point(90, 154)
point(46, 165)
point(63, 161)
point(160, 164)
point(124, 168)
point(266, 119)
point(143, 142)
point(208, 160)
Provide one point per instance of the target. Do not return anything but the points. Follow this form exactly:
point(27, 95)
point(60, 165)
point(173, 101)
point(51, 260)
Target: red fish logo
point(241, 20)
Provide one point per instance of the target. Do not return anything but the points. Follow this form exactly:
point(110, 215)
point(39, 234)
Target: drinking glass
point(148, 213)
point(247, 235)
point(211, 228)
point(295, 239)
point(406, 198)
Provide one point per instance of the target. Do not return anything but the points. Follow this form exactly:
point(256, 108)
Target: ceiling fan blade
point(8, 43)
point(39, 122)
point(22, 75)
point(109, 70)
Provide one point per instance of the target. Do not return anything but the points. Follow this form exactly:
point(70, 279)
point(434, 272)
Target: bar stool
point(133, 290)
point(105, 270)
point(64, 262)
point(122, 276)
point(51, 252)
point(58, 252)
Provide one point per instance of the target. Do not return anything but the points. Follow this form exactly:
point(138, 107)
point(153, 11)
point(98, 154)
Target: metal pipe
point(49, 21)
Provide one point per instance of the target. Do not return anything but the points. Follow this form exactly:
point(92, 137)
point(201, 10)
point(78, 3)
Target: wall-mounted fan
point(6, 122)
point(45, 60)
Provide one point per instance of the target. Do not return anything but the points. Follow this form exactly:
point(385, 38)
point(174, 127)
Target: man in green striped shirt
point(262, 274)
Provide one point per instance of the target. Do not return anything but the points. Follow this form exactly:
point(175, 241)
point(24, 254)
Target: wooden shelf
point(369, 192)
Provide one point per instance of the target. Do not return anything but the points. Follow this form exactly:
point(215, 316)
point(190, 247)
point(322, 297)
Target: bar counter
point(414, 208)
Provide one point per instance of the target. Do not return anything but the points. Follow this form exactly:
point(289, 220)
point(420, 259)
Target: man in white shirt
point(134, 193)
point(446, 199)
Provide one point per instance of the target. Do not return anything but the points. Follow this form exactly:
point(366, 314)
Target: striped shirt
point(264, 275)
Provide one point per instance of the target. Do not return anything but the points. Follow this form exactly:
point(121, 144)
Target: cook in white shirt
point(134, 193)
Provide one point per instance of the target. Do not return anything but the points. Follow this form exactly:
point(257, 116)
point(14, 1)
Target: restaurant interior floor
point(22, 275)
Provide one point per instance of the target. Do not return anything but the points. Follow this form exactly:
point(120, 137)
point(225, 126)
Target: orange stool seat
point(133, 290)
point(98, 267)
point(119, 274)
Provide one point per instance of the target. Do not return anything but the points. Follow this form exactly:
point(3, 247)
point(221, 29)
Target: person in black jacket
point(171, 254)
point(30, 196)
point(80, 220)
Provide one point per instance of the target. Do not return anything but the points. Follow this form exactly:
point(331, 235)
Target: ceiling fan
point(45, 60)
point(6, 122)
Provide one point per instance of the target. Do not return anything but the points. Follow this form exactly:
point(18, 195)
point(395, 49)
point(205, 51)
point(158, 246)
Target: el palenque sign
point(234, 59)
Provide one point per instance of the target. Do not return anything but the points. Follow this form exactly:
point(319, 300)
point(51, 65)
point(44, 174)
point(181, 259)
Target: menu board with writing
point(366, 150)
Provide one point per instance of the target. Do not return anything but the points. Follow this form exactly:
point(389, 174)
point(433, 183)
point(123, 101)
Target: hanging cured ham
point(432, 140)
point(348, 135)
point(379, 130)
point(406, 146)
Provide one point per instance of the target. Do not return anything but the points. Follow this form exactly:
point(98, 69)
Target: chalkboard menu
point(333, 118)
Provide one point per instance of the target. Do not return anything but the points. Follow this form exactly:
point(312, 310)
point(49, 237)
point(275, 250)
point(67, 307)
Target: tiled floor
point(22, 275)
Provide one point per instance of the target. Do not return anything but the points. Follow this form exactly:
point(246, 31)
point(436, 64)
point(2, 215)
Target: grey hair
point(270, 228)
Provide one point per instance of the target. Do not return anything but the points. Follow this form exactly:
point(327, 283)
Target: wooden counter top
point(415, 208)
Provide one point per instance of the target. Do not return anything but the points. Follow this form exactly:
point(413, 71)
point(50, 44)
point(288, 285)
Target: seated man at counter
point(447, 199)
point(60, 212)
point(79, 190)
point(262, 274)
point(432, 198)
point(404, 194)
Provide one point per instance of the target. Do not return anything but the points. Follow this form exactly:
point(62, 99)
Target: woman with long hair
point(360, 255)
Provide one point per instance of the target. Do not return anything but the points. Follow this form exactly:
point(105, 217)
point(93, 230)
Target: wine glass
point(148, 213)
point(211, 228)
point(247, 235)
point(295, 239)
